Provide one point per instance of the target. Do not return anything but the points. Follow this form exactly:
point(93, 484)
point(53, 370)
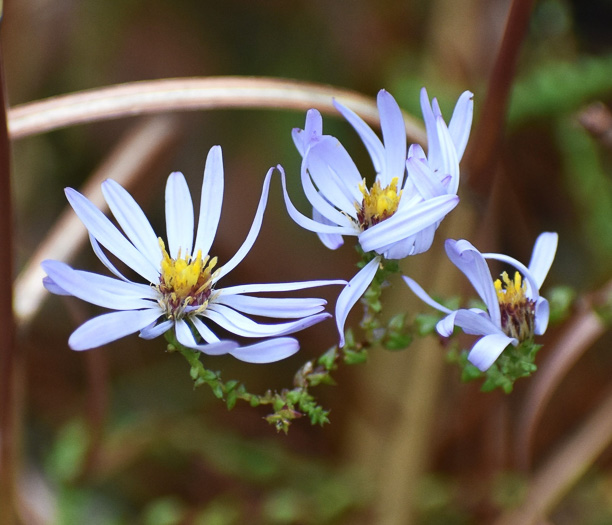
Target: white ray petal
point(241, 325)
point(449, 163)
point(179, 216)
point(394, 136)
point(330, 240)
point(132, 220)
point(51, 286)
point(322, 205)
point(211, 201)
point(185, 337)
point(311, 134)
point(461, 122)
point(334, 173)
point(100, 227)
point(543, 255)
point(352, 292)
point(407, 222)
point(278, 287)
point(542, 314)
point(433, 142)
point(155, 330)
point(473, 265)
point(487, 350)
point(99, 289)
point(425, 182)
point(306, 222)
point(110, 327)
point(267, 351)
point(207, 334)
point(446, 326)
point(371, 141)
point(424, 296)
point(105, 260)
point(281, 308)
point(476, 322)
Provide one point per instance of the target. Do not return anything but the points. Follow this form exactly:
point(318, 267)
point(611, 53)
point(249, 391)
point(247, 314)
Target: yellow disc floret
point(378, 203)
point(511, 291)
point(517, 310)
point(184, 282)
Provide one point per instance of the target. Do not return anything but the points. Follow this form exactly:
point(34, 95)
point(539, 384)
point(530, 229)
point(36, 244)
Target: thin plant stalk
point(183, 94)
point(406, 453)
point(488, 133)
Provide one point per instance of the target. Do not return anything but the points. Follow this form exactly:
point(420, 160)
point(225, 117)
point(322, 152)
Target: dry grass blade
point(182, 94)
point(128, 163)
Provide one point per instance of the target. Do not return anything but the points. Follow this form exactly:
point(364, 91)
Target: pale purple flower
point(412, 192)
point(182, 289)
point(515, 310)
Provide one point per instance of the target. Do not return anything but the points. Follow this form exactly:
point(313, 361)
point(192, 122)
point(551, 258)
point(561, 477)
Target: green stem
point(371, 323)
point(287, 404)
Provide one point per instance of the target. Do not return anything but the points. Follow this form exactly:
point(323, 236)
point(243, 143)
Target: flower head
point(183, 291)
point(398, 214)
point(515, 310)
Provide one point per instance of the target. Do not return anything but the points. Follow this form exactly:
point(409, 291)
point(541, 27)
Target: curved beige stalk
point(183, 94)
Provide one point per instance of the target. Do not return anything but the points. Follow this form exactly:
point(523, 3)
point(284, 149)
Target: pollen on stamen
point(516, 309)
point(185, 282)
point(378, 203)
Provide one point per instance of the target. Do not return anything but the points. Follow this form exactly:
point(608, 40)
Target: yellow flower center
point(517, 310)
point(378, 203)
point(185, 282)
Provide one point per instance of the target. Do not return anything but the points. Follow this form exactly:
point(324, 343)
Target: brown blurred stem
point(489, 130)
point(564, 468)
point(576, 337)
point(597, 120)
point(8, 357)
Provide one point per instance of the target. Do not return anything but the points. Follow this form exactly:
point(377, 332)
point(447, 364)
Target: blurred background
point(118, 435)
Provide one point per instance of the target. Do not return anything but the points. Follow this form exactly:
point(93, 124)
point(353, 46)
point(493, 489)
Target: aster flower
point(412, 192)
point(515, 310)
point(182, 291)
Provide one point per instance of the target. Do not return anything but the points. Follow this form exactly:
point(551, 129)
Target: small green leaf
point(217, 389)
point(355, 357)
point(328, 359)
point(426, 323)
point(398, 341)
point(231, 399)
